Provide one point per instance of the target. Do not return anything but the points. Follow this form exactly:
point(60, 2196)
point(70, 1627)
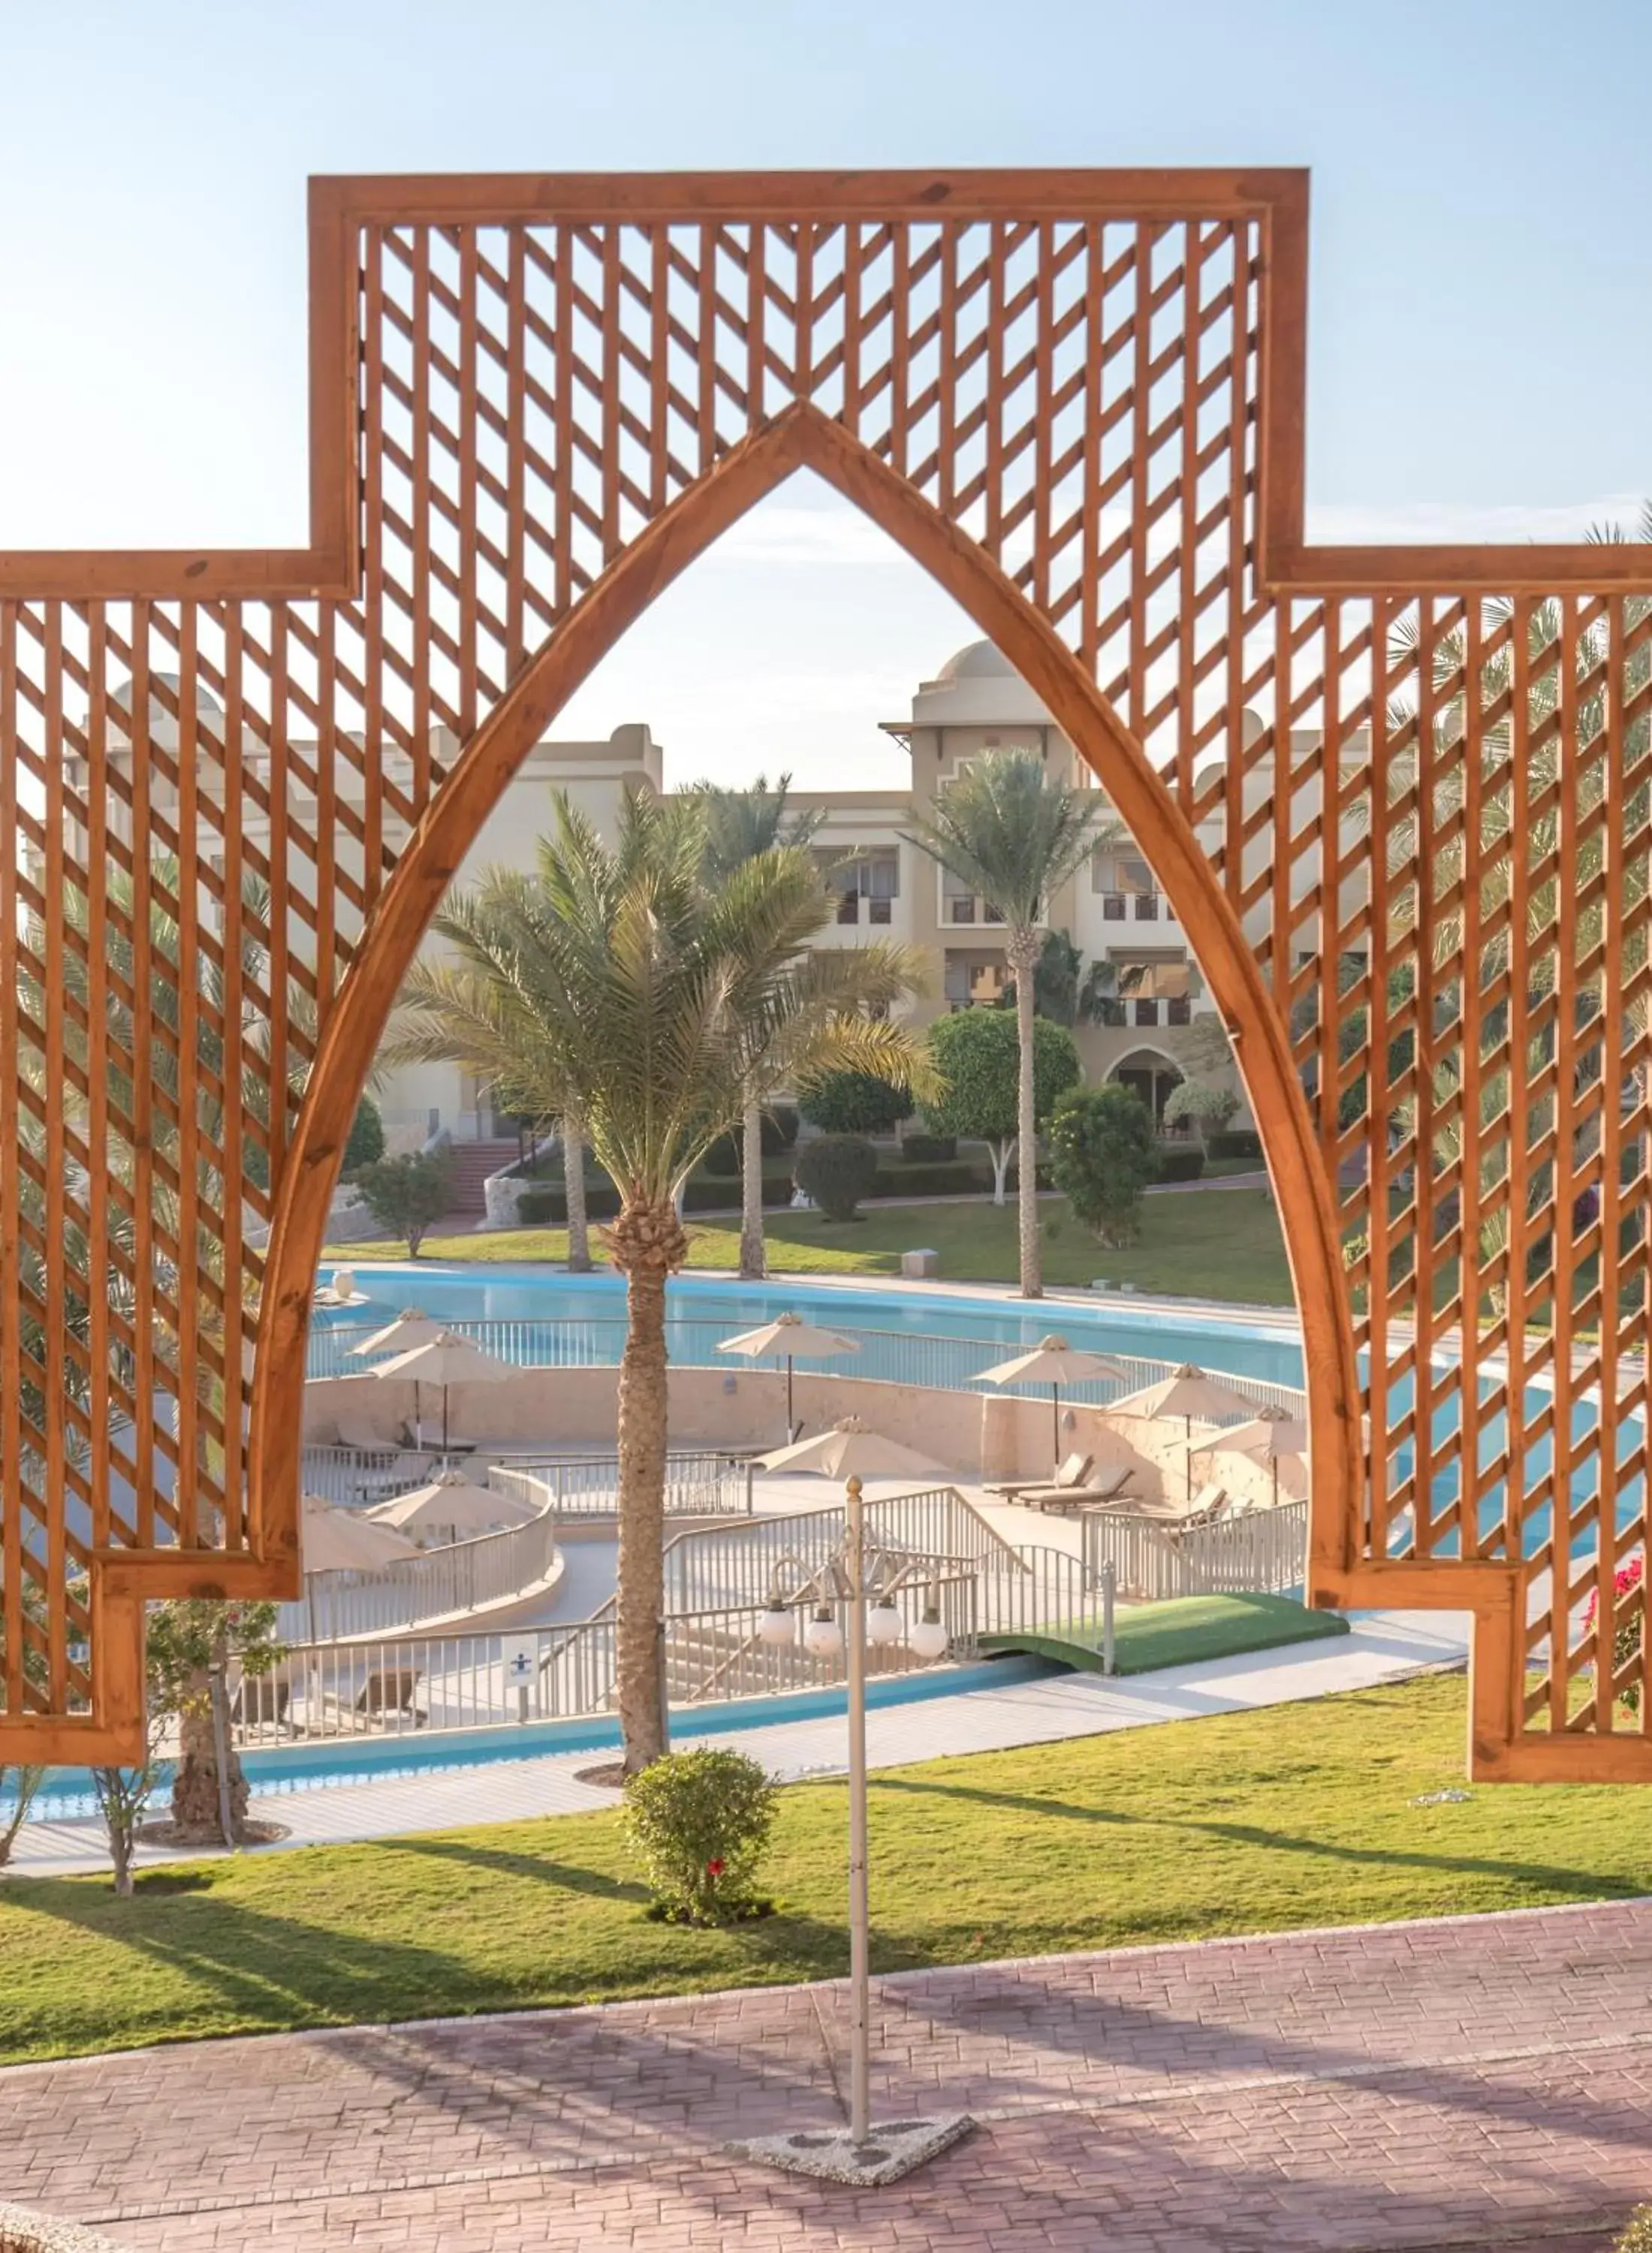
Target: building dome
point(977, 660)
point(120, 698)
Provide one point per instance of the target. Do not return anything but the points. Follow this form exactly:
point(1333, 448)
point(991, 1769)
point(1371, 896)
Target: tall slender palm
point(658, 997)
point(1013, 835)
point(741, 824)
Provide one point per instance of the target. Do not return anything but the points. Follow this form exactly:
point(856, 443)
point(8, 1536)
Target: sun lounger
point(1072, 1473)
point(390, 1691)
point(357, 1431)
point(1093, 1495)
point(261, 1701)
point(1209, 1504)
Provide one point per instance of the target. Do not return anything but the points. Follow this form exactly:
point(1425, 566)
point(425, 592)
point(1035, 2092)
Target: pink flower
point(1627, 1577)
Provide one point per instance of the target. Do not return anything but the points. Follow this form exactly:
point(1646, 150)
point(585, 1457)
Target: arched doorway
point(1150, 1076)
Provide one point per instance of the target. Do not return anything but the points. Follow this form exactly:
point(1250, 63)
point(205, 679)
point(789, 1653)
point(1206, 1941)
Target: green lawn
point(1217, 1244)
point(1304, 1815)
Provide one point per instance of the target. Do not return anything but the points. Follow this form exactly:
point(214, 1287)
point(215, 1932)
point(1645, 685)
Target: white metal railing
point(1262, 1552)
point(890, 1357)
point(402, 1685)
point(436, 1584)
point(705, 1483)
point(720, 1565)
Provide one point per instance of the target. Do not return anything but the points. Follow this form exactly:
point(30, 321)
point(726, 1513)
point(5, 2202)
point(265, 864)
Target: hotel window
point(873, 878)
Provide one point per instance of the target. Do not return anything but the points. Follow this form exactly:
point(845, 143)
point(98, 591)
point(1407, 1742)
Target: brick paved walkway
point(1480, 2082)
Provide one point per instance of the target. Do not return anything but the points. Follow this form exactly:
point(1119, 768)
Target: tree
point(405, 1195)
point(1055, 982)
point(191, 1644)
point(658, 997)
point(1204, 1106)
point(364, 1144)
point(1014, 835)
point(1102, 1155)
point(854, 1102)
point(976, 1055)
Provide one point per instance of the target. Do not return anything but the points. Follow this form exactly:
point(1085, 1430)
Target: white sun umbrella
point(1188, 1391)
point(331, 1540)
point(411, 1327)
point(850, 1450)
point(452, 1504)
point(446, 1360)
point(1273, 1436)
point(789, 1335)
point(1051, 1362)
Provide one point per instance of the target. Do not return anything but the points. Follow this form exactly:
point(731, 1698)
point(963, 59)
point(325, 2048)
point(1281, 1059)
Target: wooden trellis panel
point(1418, 777)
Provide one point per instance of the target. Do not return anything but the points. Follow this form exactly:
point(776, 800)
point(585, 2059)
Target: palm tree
point(659, 1000)
point(740, 825)
point(1014, 835)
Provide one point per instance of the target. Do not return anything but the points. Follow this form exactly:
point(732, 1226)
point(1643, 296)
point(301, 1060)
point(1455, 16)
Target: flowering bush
point(1626, 1643)
point(700, 1823)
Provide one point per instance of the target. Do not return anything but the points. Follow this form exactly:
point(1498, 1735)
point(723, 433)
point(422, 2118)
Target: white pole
point(859, 1984)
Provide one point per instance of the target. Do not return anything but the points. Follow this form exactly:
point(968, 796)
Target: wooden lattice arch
point(240, 781)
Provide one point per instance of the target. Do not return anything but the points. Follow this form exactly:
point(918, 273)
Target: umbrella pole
point(1055, 1425)
point(860, 1983)
point(1187, 1458)
point(444, 1427)
point(418, 1420)
point(791, 1424)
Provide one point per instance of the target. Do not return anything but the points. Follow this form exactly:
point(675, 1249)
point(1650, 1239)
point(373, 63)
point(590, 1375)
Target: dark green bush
point(837, 1171)
point(546, 1206)
point(364, 1144)
point(722, 1160)
point(699, 1823)
point(1235, 1142)
point(1102, 1146)
point(928, 1149)
point(405, 1195)
point(962, 1177)
point(1180, 1161)
point(854, 1102)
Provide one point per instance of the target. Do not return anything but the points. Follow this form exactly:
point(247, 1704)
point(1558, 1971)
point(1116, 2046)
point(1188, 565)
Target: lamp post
point(863, 2157)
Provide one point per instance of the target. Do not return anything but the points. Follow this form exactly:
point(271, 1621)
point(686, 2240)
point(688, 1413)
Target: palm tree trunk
point(197, 1792)
point(753, 1260)
point(579, 1239)
point(1023, 958)
point(644, 1238)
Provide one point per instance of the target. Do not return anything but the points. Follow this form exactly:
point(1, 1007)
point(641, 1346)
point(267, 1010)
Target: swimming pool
point(589, 1312)
point(916, 1334)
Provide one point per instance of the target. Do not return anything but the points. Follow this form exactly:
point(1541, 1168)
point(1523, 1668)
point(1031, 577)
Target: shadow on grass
point(1591, 1884)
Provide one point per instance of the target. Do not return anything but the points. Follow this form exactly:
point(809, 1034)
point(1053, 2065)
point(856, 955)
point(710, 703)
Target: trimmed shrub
point(1104, 1154)
point(837, 1171)
point(928, 1149)
point(960, 1178)
point(1180, 1161)
point(700, 1823)
point(1199, 1104)
point(722, 1160)
point(1235, 1142)
point(854, 1102)
point(405, 1195)
point(364, 1145)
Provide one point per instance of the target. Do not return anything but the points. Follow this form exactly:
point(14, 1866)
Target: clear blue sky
point(1481, 308)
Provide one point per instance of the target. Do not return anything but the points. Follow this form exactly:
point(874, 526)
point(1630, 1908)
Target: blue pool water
point(67, 1792)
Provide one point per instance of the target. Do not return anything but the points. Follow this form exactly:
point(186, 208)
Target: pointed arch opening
point(803, 438)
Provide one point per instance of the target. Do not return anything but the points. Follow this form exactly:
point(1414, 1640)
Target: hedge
point(956, 1177)
point(1235, 1142)
point(1180, 1161)
point(928, 1149)
point(548, 1207)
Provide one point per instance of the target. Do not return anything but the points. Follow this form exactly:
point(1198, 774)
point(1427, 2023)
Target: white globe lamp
point(927, 1638)
point(776, 1626)
point(884, 1625)
point(823, 1638)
